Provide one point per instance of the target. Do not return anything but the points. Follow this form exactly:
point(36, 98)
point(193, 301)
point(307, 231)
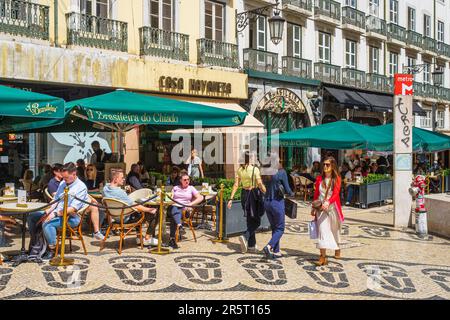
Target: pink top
point(184, 196)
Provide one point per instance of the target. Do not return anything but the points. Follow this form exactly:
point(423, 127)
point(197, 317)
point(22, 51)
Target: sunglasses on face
point(89, 170)
point(185, 179)
point(327, 164)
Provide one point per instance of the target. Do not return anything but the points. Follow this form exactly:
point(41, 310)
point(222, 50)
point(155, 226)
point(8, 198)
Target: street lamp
point(276, 22)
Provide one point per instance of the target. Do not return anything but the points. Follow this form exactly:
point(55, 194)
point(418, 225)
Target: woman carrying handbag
point(327, 210)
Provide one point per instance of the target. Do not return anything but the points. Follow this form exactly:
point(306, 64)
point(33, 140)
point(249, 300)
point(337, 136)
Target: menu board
point(9, 190)
point(21, 198)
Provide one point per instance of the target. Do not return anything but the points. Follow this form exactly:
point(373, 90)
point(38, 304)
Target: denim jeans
point(275, 214)
point(50, 227)
point(175, 214)
point(351, 190)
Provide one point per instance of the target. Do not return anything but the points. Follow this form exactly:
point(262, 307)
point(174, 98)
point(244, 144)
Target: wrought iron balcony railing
point(329, 8)
point(377, 82)
point(354, 17)
point(443, 49)
point(166, 44)
point(327, 72)
point(429, 44)
point(377, 25)
point(419, 89)
point(296, 67)
point(353, 77)
point(303, 4)
point(396, 32)
point(260, 60)
point(217, 53)
point(92, 31)
point(24, 18)
point(414, 38)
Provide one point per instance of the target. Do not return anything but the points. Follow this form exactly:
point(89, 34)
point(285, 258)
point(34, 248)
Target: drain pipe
point(55, 16)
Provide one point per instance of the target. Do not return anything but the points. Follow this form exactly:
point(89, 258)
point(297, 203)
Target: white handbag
point(313, 230)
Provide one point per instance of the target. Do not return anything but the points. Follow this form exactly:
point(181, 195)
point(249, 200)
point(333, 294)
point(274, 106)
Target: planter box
point(375, 193)
point(235, 223)
point(447, 183)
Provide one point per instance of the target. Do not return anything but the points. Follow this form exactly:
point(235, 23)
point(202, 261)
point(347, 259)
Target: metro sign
point(403, 84)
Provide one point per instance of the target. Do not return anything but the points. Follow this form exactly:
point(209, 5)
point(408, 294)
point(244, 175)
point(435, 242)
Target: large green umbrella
point(423, 140)
point(26, 109)
point(336, 135)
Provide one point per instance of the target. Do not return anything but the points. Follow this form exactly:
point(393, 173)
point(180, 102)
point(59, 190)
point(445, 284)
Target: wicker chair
point(119, 215)
point(140, 194)
point(186, 219)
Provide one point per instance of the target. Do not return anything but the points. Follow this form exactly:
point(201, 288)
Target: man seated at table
point(113, 190)
point(352, 189)
point(51, 218)
point(54, 182)
point(186, 195)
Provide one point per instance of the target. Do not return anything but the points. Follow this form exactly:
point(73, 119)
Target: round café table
point(11, 209)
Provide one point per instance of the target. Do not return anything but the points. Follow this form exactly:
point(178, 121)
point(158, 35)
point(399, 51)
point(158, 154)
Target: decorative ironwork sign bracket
point(243, 18)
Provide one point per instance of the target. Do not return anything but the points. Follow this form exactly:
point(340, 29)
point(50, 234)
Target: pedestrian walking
point(328, 215)
point(249, 177)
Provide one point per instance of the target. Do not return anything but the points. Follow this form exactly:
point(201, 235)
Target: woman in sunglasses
point(329, 217)
point(93, 183)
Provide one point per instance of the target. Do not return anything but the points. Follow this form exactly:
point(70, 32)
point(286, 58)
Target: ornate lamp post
point(276, 22)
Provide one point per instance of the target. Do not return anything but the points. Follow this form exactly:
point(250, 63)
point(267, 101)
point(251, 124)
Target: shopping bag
point(290, 208)
point(313, 232)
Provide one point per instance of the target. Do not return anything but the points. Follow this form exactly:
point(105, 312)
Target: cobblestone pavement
point(378, 262)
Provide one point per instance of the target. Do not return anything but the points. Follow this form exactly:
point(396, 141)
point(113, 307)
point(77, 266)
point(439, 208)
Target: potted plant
point(375, 188)
point(234, 221)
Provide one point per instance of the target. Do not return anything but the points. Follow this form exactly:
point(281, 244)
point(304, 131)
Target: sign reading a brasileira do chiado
point(281, 100)
point(126, 117)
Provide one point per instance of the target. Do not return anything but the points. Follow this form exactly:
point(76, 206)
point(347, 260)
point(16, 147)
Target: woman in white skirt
point(329, 219)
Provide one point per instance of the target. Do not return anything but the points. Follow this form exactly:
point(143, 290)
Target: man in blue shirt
point(54, 182)
point(51, 218)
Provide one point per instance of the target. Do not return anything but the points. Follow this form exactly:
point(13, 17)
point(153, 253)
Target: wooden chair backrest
point(48, 195)
point(304, 181)
point(114, 203)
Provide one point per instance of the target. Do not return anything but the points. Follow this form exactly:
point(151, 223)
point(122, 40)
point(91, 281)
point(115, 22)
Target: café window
point(100, 9)
point(324, 47)
point(214, 20)
point(374, 6)
point(161, 14)
point(440, 31)
point(427, 72)
point(393, 12)
point(294, 44)
point(425, 121)
point(351, 3)
point(411, 19)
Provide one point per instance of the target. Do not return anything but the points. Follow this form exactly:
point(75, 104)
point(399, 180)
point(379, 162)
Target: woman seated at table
point(93, 181)
point(134, 178)
point(183, 194)
point(352, 189)
point(27, 181)
point(174, 178)
point(143, 173)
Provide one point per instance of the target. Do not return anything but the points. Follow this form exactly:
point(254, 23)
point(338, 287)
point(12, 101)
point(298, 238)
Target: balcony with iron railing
point(260, 60)
point(217, 53)
point(419, 89)
point(396, 32)
point(327, 72)
point(443, 49)
point(165, 44)
point(24, 18)
point(377, 82)
point(327, 8)
point(353, 77)
point(92, 31)
point(375, 26)
point(414, 39)
point(429, 44)
point(300, 6)
point(353, 17)
point(296, 67)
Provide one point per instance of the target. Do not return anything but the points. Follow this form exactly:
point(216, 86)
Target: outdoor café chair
point(47, 195)
point(73, 233)
point(296, 183)
point(140, 194)
point(304, 183)
point(116, 218)
point(186, 218)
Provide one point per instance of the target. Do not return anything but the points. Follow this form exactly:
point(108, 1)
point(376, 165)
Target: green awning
point(126, 107)
point(26, 109)
point(336, 135)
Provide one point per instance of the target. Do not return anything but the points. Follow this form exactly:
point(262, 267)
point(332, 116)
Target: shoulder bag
point(317, 204)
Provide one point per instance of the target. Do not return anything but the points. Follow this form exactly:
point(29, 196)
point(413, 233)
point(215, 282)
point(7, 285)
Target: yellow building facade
point(181, 48)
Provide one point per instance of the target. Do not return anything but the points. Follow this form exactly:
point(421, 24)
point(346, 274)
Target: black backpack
point(38, 245)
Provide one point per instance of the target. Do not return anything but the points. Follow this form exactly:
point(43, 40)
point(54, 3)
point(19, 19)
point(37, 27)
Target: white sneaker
point(253, 249)
point(244, 245)
point(154, 241)
point(99, 236)
point(147, 242)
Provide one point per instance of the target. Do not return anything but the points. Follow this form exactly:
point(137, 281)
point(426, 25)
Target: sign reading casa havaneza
point(194, 85)
point(281, 100)
point(146, 118)
point(36, 109)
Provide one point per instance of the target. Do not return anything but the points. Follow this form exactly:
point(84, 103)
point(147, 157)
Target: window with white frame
point(425, 121)
point(440, 31)
point(393, 63)
point(427, 72)
point(258, 31)
point(351, 3)
point(161, 14)
point(440, 119)
point(393, 11)
point(100, 9)
point(410, 61)
point(374, 59)
point(411, 19)
point(324, 47)
point(350, 54)
point(426, 25)
point(294, 40)
point(374, 6)
point(214, 20)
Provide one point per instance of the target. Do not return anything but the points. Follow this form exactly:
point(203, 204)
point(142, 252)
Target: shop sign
point(403, 84)
point(281, 100)
point(35, 109)
point(194, 85)
point(157, 117)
